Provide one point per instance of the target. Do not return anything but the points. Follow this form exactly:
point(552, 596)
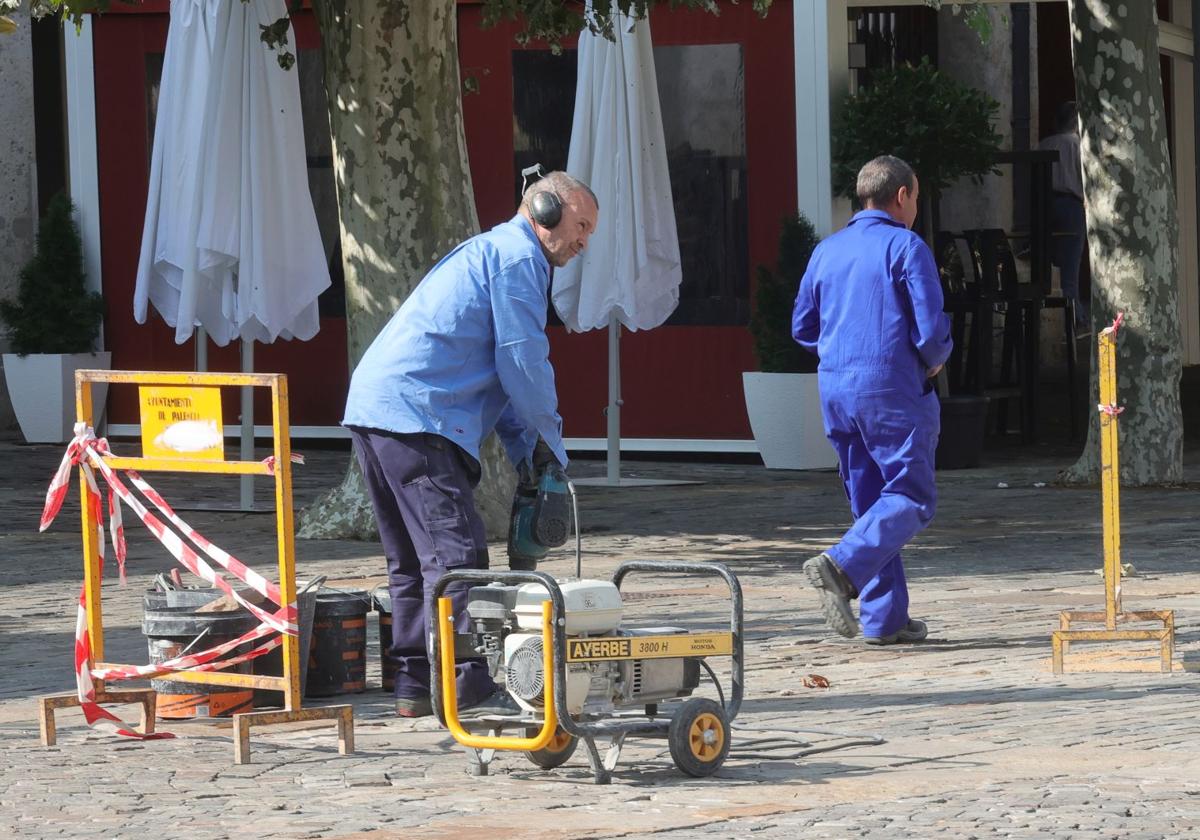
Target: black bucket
point(337, 657)
point(382, 600)
point(964, 421)
point(155, 599)
point(171, 630)
point(271, 664)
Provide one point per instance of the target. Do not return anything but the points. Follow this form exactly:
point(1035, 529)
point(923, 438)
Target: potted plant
point(53, 324)
point(782, 400)
point(942, 128)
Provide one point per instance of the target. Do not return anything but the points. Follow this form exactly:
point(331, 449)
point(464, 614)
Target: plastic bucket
point(169, 631)
point(155, 599)
point(337, 655)
point(382, 600)
point(271, 664)
point(964, 421)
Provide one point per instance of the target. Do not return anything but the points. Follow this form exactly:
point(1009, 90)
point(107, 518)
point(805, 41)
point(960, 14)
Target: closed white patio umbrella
point(630, 272)
point(230, 242)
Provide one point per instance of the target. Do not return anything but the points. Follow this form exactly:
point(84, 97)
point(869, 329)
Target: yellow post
point(1110, 487)
point(91, 548)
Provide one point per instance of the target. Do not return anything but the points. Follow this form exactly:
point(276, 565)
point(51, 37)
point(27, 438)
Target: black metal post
point(1021, 109)
point(1196, 106)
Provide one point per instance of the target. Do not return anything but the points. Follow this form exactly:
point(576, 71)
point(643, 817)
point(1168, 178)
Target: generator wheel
point(554, 754)
point(699, 737)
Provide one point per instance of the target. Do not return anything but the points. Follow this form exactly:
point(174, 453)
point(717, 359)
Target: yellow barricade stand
point(1110, 489)
point(211, 461)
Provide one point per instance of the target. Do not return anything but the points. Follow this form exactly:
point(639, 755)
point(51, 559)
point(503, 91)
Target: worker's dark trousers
point(422, 488)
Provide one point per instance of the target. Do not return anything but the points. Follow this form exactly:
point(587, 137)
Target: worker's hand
point(935, 371)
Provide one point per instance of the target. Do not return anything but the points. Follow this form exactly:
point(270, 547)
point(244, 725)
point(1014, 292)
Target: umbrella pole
point(247, 482)
point(246, 500)
point(614, 401)
point(201, 350)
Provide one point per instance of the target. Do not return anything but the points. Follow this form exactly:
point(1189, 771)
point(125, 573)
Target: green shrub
point(941, 127)
point(775, 297)
point(54, 312)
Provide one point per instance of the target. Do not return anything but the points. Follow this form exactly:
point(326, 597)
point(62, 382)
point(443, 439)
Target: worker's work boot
point(914, 631)
point(497, 704)
point(414, 707)
point(836, 591)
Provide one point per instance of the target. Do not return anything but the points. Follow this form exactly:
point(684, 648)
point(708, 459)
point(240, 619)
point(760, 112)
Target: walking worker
point(870, 306)
point(465, 354)
point(1068, 220)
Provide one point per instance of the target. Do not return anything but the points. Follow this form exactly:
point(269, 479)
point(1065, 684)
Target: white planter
point(785, 416)
point(42, 389)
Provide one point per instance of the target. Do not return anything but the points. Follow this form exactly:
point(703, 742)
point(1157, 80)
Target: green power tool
point(540, 513)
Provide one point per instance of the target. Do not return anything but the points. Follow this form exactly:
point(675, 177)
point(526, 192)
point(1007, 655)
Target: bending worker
point(465, 354)
point(870, 306)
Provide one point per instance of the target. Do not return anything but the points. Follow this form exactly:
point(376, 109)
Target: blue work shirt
point(870, 304)
point(467, 351)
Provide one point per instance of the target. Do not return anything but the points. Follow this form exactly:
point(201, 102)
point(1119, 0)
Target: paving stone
point(980, 739)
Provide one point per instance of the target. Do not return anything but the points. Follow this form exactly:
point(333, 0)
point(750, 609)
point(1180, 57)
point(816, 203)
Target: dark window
point(154, 70)
point(702, 97)
point(894, 36)
point(49, 109)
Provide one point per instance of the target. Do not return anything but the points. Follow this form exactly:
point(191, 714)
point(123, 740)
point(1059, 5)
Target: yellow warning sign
point(649, 647)
point(182, 423)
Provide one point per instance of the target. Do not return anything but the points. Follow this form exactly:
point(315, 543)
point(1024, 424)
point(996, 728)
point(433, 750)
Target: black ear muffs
point(546, 209)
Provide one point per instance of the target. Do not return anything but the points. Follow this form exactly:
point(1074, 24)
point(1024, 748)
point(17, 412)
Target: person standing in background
point(1068, 223)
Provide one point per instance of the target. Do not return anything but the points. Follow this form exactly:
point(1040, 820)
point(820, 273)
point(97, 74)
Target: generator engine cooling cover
point(592, 606)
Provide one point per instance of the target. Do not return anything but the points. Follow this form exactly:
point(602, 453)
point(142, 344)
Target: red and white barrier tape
point(87, 452)
point(270, 461)
point(1117, 323)
point(1110, 410)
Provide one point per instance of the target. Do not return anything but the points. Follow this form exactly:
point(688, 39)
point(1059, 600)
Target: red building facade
point(726, 87)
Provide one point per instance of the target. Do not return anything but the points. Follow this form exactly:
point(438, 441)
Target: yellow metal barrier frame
point(450, 689)
point(289, 683)
point(1110, 490)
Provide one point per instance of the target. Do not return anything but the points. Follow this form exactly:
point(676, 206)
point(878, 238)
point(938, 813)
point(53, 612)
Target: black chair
point(969, 308)
point(1017, 303)
point(1067, 305)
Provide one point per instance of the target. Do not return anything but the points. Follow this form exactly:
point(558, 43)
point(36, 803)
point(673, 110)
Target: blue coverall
point(870, 306)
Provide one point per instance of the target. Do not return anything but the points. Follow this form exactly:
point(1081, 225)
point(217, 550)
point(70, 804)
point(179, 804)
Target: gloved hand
point(543, 455)
point(526, 478)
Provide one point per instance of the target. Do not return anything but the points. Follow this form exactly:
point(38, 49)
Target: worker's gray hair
point(880, 179)
point(559, 183)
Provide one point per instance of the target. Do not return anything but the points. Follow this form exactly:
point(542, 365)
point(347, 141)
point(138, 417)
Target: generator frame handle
point(449, 687)
point(443, 686)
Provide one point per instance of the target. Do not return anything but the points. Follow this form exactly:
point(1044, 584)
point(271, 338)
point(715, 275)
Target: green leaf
point(942, 128)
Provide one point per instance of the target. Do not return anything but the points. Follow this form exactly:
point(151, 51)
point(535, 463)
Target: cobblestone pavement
point(967, 735)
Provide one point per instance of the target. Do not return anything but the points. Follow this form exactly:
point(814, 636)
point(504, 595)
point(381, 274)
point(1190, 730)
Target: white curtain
point(230, 241)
